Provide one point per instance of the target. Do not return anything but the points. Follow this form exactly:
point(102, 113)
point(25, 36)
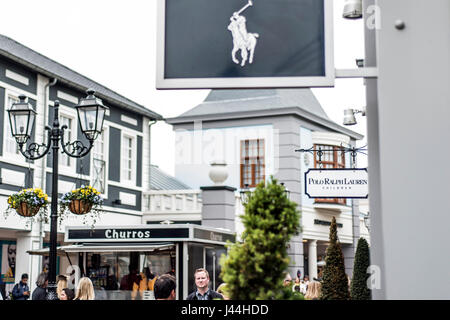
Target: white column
point(26, 263)
point(312, 259)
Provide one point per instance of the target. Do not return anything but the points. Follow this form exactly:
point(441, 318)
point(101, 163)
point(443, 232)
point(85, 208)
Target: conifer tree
point(255, 268)
point(359, 289)
point(334, 281)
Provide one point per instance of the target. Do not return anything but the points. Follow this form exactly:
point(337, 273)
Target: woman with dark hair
point(67, 294)
point(40, 293)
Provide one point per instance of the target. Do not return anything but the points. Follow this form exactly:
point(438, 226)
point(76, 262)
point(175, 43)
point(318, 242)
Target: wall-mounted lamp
point(352, 9)
point(286, 190)
point(360, 63)
point(367, 221)
point(349, 116)
point(244, 193)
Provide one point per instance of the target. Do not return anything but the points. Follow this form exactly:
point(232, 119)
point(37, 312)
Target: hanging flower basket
point(80, 206)
point(84, 201)
point(28, 203)
point(25, 210)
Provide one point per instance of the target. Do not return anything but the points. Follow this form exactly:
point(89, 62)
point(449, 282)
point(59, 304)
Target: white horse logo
point(242, 40)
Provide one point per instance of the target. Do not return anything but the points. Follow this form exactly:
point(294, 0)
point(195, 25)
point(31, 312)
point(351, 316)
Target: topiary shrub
point(359, 289)
point(255, 268)
point(334, 281)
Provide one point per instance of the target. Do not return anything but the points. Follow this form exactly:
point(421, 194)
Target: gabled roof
point(41, 64)
point(159, 180)
point(225, 104)
point(229, 101)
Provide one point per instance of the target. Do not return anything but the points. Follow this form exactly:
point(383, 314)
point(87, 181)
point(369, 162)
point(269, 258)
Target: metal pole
point(51, 293)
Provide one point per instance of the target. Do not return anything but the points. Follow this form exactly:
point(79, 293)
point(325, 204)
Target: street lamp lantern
point(287, 192)
point(91, 113)
point(21, 120)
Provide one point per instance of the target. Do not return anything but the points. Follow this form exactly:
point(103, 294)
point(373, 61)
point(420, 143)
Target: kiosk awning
point(89, 247)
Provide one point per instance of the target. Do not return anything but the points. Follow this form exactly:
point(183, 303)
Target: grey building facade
point(118, 164)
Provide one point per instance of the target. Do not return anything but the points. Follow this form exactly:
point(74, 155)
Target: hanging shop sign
point(337, 183)
point(244, 44)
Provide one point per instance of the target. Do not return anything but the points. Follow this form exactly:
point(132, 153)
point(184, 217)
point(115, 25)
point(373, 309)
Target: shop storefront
point(112, 256)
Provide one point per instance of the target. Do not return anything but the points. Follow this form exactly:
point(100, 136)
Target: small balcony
point(173, 205)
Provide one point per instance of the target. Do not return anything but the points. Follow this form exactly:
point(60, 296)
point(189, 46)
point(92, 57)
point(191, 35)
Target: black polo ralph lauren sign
point(244, 43)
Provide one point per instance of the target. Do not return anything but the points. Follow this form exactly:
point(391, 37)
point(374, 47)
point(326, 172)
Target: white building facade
point(256, 133)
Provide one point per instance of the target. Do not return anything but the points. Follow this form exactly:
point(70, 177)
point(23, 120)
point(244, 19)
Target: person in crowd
point(203, 292)
point(349, 281)
point(67, 294)
point(128, 281)
point(85, 290)
point(140, 285)
point(287, 280)
point(304, 285)
point(314, 290)
point(21, 291)
point(40, 293)
point(61, 284)
point(296, 286)
point(151, 282)
point(165, 287)
point(221, 289)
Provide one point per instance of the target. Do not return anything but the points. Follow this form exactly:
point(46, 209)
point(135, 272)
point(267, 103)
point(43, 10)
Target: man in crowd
point(21, 291)
point(203, 292)
point(164, 287)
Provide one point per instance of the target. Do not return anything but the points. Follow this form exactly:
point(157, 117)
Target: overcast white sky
point(113, 42)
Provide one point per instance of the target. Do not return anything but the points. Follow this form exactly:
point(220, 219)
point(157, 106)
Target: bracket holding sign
point(353, 151)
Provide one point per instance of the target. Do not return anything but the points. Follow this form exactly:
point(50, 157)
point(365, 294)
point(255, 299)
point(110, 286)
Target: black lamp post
point(91, 113)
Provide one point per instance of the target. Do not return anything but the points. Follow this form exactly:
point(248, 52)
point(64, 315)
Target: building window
point(332, 157)
point(128, 159)
point(11, 146)
point(252, 162)
point(99, 153)
point(66, 161)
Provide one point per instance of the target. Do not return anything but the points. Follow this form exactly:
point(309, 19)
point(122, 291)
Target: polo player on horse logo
point(242, 40)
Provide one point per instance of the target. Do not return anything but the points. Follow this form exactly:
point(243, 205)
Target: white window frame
point(67, 112)
point(14, 157)
point(105, 135)
point(132, 182)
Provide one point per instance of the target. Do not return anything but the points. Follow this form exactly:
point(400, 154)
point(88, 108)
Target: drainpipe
point(44, 165)
point(150, 123)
